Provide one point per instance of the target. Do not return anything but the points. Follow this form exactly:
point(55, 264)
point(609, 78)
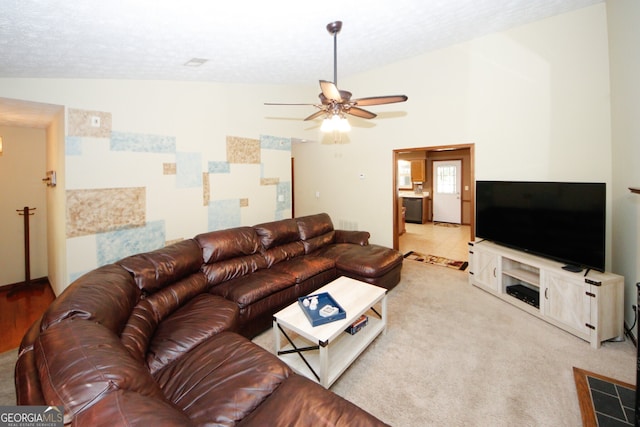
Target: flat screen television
point(563, 221)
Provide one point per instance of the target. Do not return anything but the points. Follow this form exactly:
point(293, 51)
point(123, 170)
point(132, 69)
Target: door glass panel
point(446, 180)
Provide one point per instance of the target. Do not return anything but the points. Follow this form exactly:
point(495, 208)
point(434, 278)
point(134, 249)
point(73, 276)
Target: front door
point(447, 180)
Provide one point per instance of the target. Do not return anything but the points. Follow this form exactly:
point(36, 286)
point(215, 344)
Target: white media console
point(590, 307)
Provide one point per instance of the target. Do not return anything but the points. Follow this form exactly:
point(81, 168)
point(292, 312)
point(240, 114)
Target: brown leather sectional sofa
point(161, 338)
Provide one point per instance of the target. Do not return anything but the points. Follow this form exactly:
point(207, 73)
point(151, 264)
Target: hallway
point(445, 240)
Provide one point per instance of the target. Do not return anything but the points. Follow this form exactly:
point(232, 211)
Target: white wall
point(624, 33)
point(199, 117)
point(534, 100)
point(22, 166)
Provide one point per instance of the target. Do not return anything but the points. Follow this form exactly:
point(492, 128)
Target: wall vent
point(347, 225)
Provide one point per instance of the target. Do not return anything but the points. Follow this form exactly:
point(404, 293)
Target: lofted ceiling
point(241, 41)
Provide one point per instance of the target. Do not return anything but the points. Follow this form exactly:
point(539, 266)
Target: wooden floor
point(20, 306)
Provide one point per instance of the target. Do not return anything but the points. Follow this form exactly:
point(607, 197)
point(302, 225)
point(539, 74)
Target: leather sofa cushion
point(248, 289)
point(369, 261)
point(222, 271)
point(198, 320)
point(299, 402)
point(316, 243)
point(304, 267)
point(79, 361)
point(27, 381)
point(314, 225)
point(283, 252)
point(152, 310)
point(105, 295)
point(230, 243)
point(352, 236)
point(222, 380)
point(277, 232)
point(157, 269)
point(126, 408)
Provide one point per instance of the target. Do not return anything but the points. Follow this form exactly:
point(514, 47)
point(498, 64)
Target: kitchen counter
point(411, 194)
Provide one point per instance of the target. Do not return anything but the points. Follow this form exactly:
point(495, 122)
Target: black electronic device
point(563, 221)
point(525, 293)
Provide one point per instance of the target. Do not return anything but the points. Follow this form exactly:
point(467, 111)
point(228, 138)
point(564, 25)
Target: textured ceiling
point(242, 41)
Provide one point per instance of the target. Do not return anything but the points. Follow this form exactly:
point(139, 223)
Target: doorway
point(461, 152)
point(34, 135)
point(447, 183)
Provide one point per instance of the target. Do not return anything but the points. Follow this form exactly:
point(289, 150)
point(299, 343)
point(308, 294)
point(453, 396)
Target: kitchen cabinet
point(418, 173)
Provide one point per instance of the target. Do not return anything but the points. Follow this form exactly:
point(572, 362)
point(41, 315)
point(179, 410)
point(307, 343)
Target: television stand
point(589, 307)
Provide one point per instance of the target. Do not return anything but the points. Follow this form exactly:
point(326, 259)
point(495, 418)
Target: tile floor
point(442, 240)
point(613, 404)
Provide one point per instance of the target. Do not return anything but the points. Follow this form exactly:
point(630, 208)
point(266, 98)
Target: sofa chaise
point(163, 338)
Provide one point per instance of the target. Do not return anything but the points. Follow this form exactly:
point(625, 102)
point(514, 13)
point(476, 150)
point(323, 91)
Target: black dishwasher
point(413, 212)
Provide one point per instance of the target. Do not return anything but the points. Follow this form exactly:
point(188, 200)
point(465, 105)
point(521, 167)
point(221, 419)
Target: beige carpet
point(7, 390)
point(454, 355)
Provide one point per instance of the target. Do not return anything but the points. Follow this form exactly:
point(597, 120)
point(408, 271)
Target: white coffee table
point(322, 353)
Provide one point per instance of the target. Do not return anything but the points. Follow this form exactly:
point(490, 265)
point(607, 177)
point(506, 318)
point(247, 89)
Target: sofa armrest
point(351, 236)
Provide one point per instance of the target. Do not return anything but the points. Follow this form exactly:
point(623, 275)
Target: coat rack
point(26, 212)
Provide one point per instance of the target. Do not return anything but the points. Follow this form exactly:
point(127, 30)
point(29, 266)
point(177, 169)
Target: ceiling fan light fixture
point(335, 123)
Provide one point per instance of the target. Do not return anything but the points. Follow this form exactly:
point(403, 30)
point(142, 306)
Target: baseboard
point(16, 286)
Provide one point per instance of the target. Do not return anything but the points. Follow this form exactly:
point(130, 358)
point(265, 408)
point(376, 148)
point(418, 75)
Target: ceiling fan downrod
point(334, 28)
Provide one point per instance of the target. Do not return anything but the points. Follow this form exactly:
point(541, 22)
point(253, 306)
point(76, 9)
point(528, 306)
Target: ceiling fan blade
point(315, 115)
point(330, 91)
point(379, 100)
point(359, 112)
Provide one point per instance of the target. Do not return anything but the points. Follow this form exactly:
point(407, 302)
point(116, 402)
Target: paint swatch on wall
point(105, 209)
point(88, 123)
point(115, 245)
point(224, 214)
point(268, 142)
point(142, 143)
point(168, 168)
point(243, 150)
point(188, 170)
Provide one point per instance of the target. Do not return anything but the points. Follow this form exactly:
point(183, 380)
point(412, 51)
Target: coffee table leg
point(324, 365)
point(384, 313)
point(276, 336)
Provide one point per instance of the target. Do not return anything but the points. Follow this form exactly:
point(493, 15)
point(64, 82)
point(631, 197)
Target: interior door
point(447, 182)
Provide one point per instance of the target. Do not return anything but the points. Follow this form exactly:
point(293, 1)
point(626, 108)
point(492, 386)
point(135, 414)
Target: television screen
point(564, 221)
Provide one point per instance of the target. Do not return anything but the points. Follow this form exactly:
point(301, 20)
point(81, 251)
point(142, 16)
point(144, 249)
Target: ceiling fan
point(335, 103)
